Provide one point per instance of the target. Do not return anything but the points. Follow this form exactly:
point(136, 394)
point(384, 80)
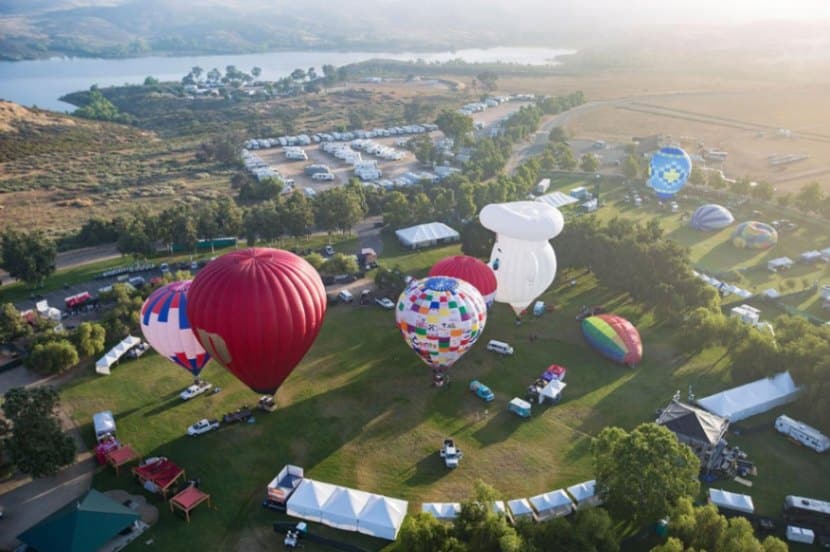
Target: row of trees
point(637, 259)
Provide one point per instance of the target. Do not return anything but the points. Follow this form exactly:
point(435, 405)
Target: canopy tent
point(343, 507)
point(731, 501)
point(159, 475)
point(308, 500)
point(585, 494)
point(188, 499)
point(553, 390)
point(693, 423)
point(557, 199)
point(753, 398)
point(771, 293)
point(442, 510)
point(424, 235)
point(114, 355)
point(120, 456)
point(552, 504)
point(520, 508)
point(86, 523)
point(382, 517)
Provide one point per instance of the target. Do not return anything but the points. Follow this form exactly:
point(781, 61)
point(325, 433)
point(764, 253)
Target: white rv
point(801, 432)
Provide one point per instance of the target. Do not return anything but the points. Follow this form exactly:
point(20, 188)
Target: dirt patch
point(12, 115)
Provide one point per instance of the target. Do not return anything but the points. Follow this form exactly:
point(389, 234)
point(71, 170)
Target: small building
point(542, 186)
point(747, 314)
point(701, 430)
point(781, 263)
point(731, 502)
point(425, 235)
point(811, 257)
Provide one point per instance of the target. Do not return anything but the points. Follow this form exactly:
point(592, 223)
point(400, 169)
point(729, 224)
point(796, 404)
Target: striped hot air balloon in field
point(711, 217)
point(614, 337)
point(166, 327)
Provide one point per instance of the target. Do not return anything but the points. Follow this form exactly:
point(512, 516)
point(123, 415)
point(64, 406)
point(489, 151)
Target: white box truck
point(104, 424)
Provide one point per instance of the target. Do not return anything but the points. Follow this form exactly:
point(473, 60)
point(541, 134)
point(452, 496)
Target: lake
point(41, 82)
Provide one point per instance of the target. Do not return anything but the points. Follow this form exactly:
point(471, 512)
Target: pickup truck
point(202, 426)
point(450, 453)
point(195, 390)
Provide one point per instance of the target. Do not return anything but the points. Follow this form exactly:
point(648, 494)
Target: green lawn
point(360, 411)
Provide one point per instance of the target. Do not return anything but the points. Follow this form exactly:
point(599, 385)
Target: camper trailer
point(801, 432)
point(104, 424)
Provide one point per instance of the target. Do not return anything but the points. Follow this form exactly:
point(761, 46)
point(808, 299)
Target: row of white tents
point(114, 355)
point(541, 507)
point(723, 287)
point(347, 509)
point(752, 398)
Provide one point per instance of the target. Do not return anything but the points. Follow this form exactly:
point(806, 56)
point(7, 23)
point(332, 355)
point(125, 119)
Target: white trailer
point(801, 432)
point(283, 485)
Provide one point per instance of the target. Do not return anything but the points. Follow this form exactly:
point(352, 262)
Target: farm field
point(360, 411)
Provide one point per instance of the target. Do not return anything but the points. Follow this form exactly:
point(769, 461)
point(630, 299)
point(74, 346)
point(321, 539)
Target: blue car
point(482, 391)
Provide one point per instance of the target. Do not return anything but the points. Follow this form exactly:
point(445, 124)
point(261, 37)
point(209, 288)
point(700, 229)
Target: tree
point(631, 169)
point(641, 475)
point(809, 197)
point(488, 79)
point(12, 324)
point(329, 74)
point(424, 150)
point(52, 357)
point(356, 119)
point(213, 75)
point(316, 260)
point(740, 187)
point(423, 533)
point(482, 529)
point(135, 238)
point(454, 125)
point(558, 134)
point(396, 211)
point(589, 163)
point(256, 72)
point(298, 214)
point(196, 71)
point(716, 180)
point(89, 339)
point(340, 264)
point(298, 74)
point(98, 107)
point(122, 319)
point(697, 177)
point(312, 73)
point(564, 157)
point(28, 257)
point(763, 191)
point(37, 445)
point(151, 81)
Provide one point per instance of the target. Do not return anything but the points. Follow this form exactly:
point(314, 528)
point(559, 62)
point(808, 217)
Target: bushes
point(53, 357)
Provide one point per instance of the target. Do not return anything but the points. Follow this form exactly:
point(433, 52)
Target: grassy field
point(360, 411)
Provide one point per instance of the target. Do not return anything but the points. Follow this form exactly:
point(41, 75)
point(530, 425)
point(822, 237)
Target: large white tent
point(753, 398)
point(731, 501)
point(520, 508)
point(114, 355)
point(382, 517)
point(552, 504)
point(424, 235)
point(442, 510)
point(557, 199)
point(343, 507)
point(585, 494)
point(308, 500)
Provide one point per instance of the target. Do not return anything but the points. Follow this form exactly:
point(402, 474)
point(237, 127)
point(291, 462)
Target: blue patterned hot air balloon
point(668, 171)
point(711, 217)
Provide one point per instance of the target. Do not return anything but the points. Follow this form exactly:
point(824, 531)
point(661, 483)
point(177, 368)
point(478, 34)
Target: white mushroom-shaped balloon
point(522, 257)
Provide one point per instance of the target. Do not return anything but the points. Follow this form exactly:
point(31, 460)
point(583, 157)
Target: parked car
point(482, 391)
point(450, 453)
point(202, 426)
point(138, 350)
point(328, 251)
point(195, 390)
point(386, 303)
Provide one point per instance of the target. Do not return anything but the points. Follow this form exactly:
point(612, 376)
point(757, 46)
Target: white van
point(499, 347)
point(345, 296)
point(104, 424)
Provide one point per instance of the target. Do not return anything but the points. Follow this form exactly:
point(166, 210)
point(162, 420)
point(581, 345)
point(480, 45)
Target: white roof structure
point(552, 390)
point(382, 517)
point(780, 262)
point(114, 355)
point(557, 199)
point(500, 508)
point(520, 507)
point(771, 293)
point(811, 256)
point(308, 500)
point(552, 504)
point(753, 398)
point(585, 494)
point(442, 510)
point(731, 501)
point(426, 234)
point(343, 508)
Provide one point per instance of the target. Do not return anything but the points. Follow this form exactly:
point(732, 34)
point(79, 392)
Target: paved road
point(75, 257)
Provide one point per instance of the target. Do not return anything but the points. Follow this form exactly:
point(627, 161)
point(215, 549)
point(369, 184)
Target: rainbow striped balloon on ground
point(440, 319)
point(614, 337)
point(754, 235)
point(165, 326)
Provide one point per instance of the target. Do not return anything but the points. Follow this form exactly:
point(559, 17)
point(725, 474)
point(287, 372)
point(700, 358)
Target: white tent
point(552, 390)
point(552, 504)
point(731, 501)
point(424, 235)
point(114, 355)
point(557, 199)
point(753, 398)
point(382, 517)
point(442, 510)
point(771, 293)
point(585, 494)
point(307, 501)
point(520, 508)
point(343, 507)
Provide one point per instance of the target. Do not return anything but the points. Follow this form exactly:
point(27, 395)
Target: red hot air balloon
point(470, 270)
point(257, 311)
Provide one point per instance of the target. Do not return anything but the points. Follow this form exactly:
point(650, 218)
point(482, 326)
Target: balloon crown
point(440, 283)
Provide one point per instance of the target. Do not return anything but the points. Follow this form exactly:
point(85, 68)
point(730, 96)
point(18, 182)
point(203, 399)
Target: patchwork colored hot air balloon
point(522, 258)
point(668, 171)
point(470, 270)
point(711, 217)
point(614, 337)
point(754, 235)
point(440, 319)
point(257, 312)
point(166, 328)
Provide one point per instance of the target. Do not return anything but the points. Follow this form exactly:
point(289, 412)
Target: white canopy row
point(114, 355)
